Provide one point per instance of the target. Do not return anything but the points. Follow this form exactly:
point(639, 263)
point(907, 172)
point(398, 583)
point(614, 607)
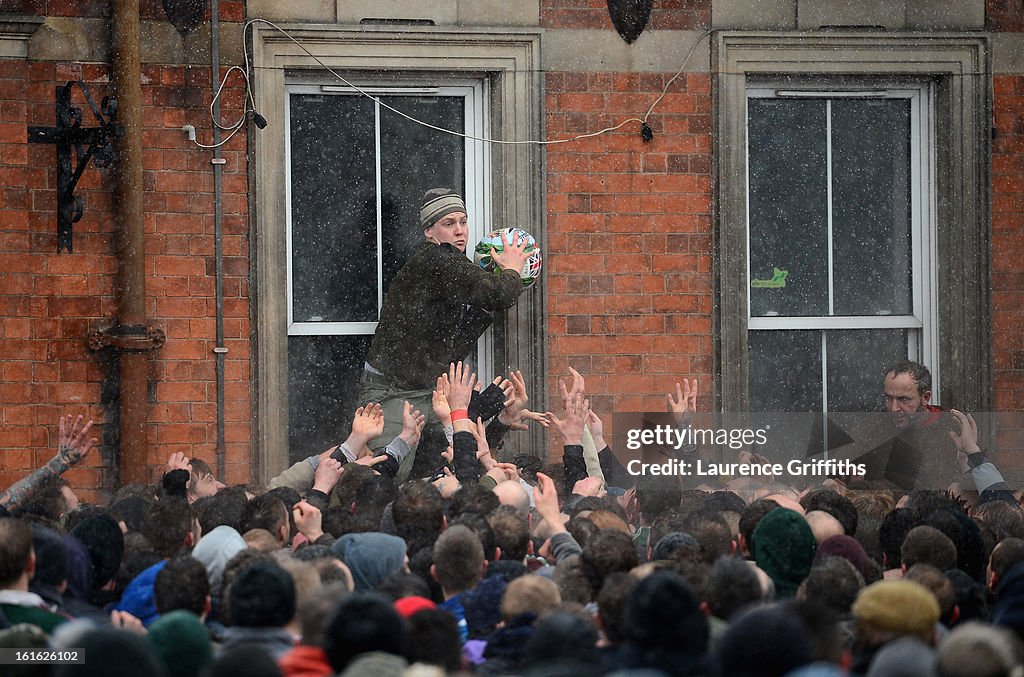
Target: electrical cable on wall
point(646, 132)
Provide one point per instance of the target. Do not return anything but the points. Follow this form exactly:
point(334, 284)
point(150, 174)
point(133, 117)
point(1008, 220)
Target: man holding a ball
point(434, 311)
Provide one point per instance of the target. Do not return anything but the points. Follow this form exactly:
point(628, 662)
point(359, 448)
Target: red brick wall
point(1003, 15)
point(629, 237)
point(49, 302)
point(1008, 242)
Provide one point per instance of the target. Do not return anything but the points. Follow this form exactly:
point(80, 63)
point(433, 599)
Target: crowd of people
point(418, 546)
point(511, 568)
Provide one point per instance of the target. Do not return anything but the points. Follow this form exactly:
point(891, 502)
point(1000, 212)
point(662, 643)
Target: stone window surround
point(15, 32)
point(510, 60)
point(959, 64)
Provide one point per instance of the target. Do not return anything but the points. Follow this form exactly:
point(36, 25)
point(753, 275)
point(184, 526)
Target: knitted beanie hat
point(182, 643)
point(438, 202)
point(783, 546)
point(482, 606)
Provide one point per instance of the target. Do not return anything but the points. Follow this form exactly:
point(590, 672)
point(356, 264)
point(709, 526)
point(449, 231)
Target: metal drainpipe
point(219, 350)
point(131, 253)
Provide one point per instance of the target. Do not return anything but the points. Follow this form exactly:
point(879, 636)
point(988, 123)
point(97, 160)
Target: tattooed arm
point(72, 448)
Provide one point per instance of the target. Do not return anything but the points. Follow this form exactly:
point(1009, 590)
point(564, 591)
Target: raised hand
point(73, 445)
point(590, 486)
point(578, 387)
point(448, 484)
point(439, 401)
point(371, 460)
point(507, 388)
point(510, 415)
point(308, 520)
point(327, 474)
point(596, 426)
point(684, 405)
point(367, 424)
point(545, 500)
point(412, 425)
point(967, 440)
point(177, 461)
point(461, 380)
point(503, 472)
point(571, 427)
point(483, 450)
point(535, 416)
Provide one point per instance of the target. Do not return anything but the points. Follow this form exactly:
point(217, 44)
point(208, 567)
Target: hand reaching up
point(545, 500)
point(684, 405)
point(177, 461)
point(461, 380)
point(367, 424)
point(412, 425)
point(967, 440)
point(578, 387)
point(327, 474)
point(73, 445)
point(308, 520)
point(439, 401)
point(571, 427)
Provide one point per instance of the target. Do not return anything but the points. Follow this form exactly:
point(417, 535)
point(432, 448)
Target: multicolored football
point(492, 242)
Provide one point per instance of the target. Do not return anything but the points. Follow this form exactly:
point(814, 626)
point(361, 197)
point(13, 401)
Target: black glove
point(486, 404)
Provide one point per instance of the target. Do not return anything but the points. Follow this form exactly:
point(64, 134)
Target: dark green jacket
point(47, 621)
point(434, 311)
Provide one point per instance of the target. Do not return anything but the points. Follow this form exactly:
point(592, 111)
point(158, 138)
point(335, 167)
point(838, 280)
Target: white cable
point(220, 89)
point(249, 95)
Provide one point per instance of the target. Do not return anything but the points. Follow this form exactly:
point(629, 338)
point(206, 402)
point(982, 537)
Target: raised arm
point(987, 478)
point(571, 427)
point(73, 445)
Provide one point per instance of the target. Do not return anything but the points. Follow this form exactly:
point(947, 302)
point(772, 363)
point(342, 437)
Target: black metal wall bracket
point(128, 338)
point(87, 142)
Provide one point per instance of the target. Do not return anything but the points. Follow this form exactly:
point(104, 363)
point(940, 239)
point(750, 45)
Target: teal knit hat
point(182, 642)
point(784, 547)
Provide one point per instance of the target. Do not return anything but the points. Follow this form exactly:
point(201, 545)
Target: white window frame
point(959, 65)
point(476, 162)
point(508, 61)
point(923, 343)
